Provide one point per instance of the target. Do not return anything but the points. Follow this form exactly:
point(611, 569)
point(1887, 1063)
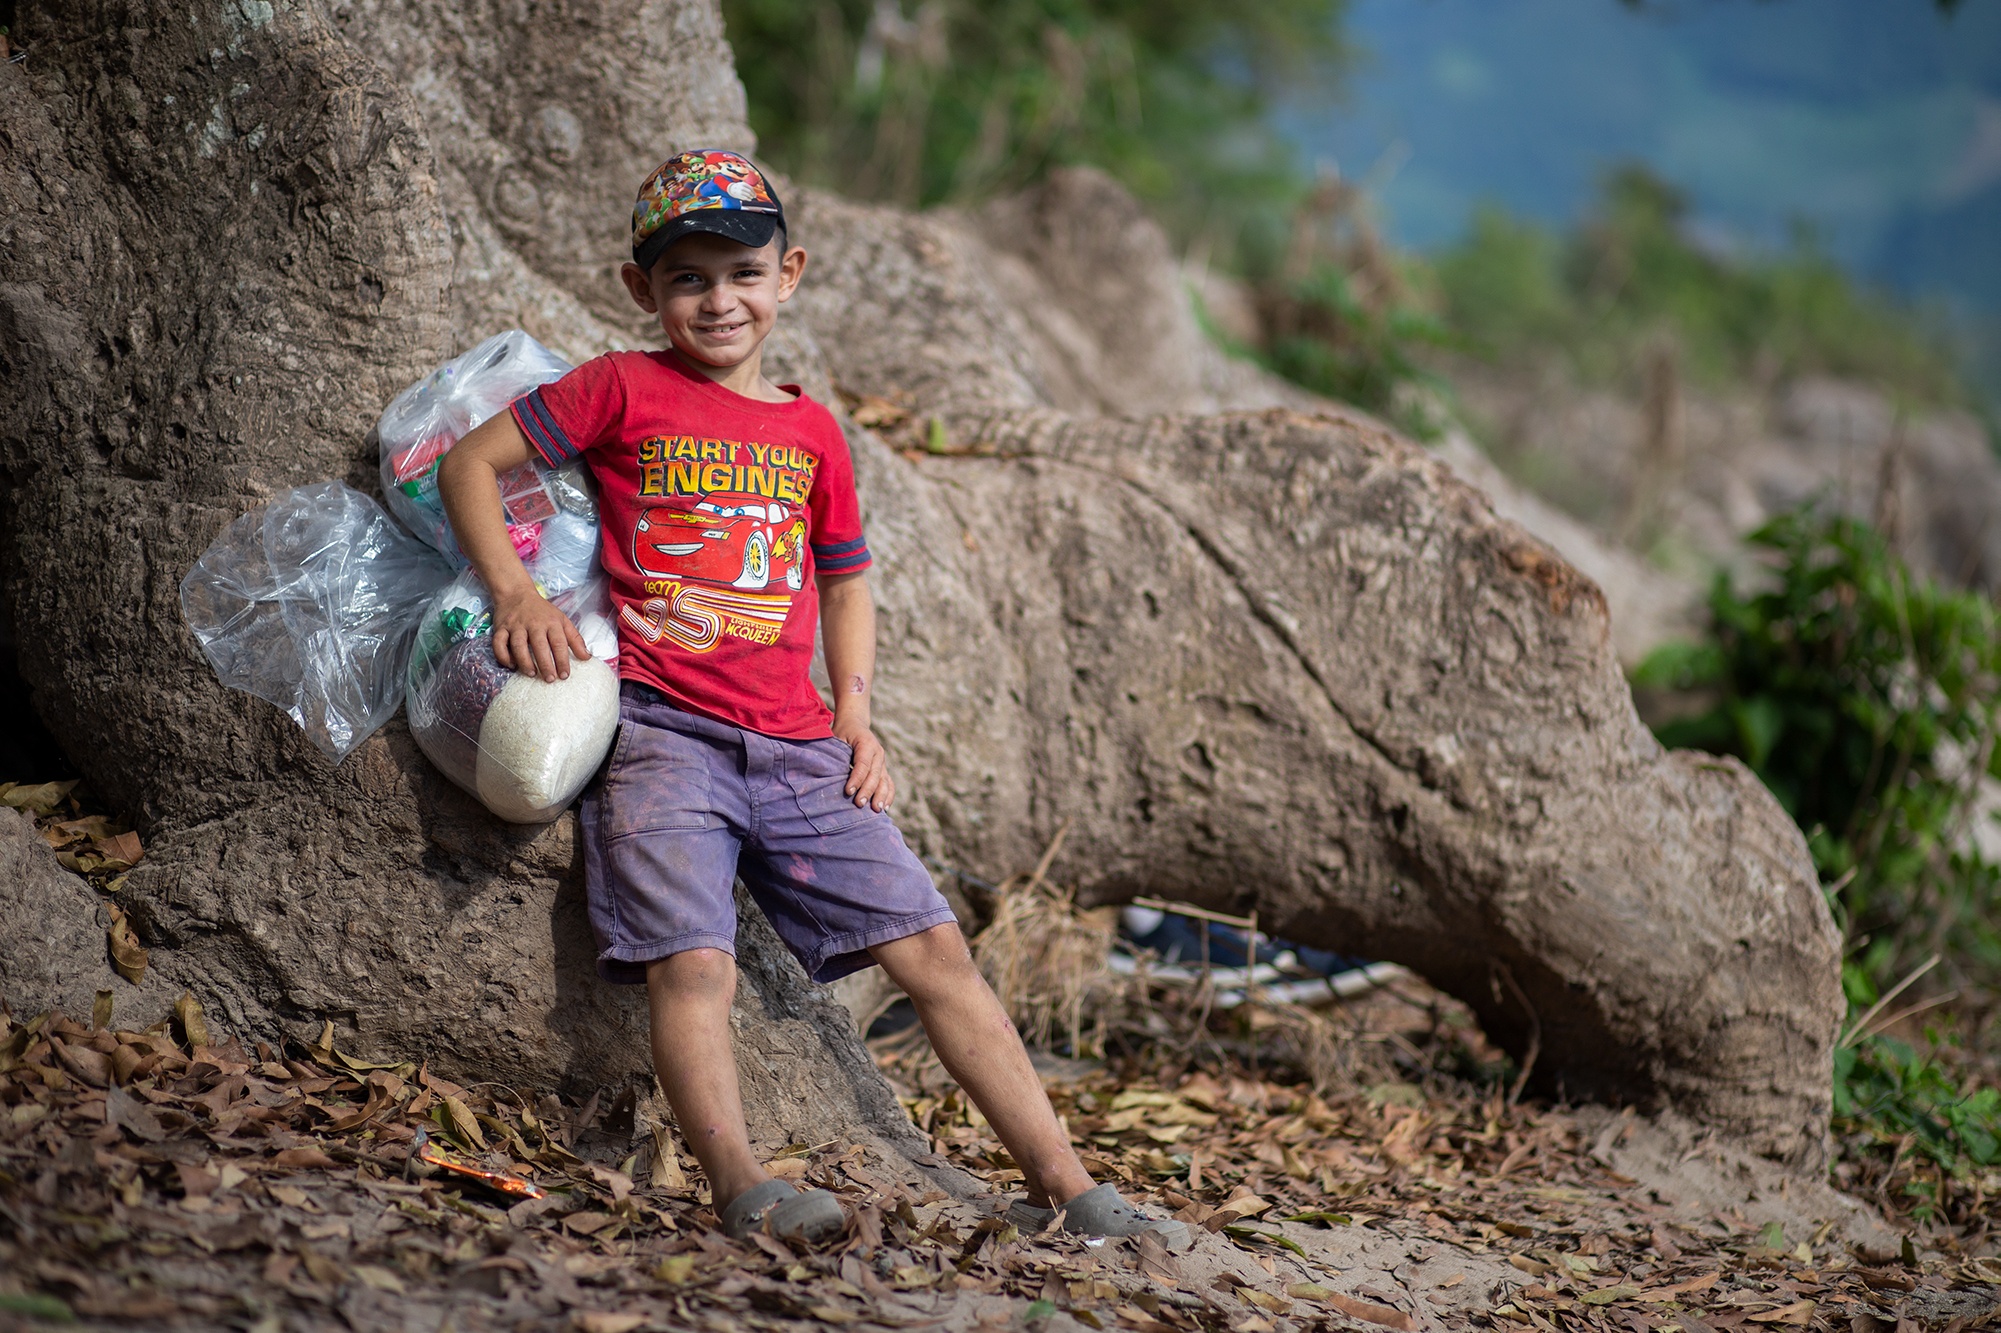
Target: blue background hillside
point(1876, 122)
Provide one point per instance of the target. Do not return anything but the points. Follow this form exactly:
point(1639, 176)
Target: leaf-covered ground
point(1336, 1176)
point(150, 1180)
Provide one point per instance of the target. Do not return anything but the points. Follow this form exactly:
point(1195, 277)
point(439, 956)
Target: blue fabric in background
point(1179, 939)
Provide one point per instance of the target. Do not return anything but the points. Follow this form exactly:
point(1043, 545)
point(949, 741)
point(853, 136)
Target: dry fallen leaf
point(1232, 1210)
point(1680, 1289)
point(323, 1269)
point(124, 1111)
point(455, 1116)
point(90, 1066)
point(128, 956)
point(194, 1024)
point(90, 827)
point(1370, 1312)
point(617, 1182)
point(41, 799)
point(667, 1172)
point(120, 851)
point(1796, 1313)
point(605, 1321)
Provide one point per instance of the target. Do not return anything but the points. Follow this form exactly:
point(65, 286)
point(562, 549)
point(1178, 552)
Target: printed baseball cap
point(710, 189)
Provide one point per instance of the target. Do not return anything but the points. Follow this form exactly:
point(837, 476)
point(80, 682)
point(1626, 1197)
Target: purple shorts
point(687, 804)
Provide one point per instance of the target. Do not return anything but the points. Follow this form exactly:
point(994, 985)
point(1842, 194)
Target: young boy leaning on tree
point(730, 526)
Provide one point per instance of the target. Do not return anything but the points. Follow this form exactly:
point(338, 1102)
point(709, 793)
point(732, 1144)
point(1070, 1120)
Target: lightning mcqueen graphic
point(731, 541)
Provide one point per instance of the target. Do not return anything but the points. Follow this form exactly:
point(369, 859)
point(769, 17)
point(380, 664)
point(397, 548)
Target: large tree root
point(1280, 660)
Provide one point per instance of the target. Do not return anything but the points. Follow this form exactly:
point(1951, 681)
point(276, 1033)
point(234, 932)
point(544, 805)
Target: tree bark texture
point(1271, 658)
point(1285, 661)
point(229, 236)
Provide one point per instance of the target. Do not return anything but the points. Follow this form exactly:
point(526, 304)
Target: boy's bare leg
point(690, 994)
point(979, 1047)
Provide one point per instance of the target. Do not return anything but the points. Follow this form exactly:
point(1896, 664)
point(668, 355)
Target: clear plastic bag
point(315, 602)
point(420, 426)
point(312, 603)
point(523, 746)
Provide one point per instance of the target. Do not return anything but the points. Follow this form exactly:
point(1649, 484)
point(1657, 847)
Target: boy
point(729, 524)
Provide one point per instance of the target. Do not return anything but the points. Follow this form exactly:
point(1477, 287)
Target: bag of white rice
point(523, 746)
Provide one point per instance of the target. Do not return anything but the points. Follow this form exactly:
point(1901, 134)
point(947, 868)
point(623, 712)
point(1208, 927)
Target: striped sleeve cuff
point(841, 557)
point(533, 416)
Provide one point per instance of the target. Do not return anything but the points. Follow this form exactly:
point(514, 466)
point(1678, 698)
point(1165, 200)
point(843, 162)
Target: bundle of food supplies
point(339, 621)
point(422, 423)
point(523, 745)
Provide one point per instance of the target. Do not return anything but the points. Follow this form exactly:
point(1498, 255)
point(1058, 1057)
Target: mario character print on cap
point(711, 190)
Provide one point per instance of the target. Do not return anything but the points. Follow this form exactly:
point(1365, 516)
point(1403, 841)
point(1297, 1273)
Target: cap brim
point(752, 229)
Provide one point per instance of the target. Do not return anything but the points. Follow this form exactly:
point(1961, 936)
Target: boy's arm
point(847, 630)
point(529, 634)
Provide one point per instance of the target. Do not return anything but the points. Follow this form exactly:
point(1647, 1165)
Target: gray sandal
point(810, 1218)
point(1101, 1212)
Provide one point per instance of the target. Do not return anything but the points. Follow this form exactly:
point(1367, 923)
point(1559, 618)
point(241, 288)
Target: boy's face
point(716, 298)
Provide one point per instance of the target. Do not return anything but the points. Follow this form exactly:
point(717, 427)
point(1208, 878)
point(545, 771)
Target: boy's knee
point(942, 945)
point(932, 960)
point(693, 973)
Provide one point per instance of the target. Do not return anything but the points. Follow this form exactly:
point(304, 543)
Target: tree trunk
point(228, 240)
point(1280, 660)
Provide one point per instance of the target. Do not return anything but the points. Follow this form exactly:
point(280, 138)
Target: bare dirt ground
point(149, 1182)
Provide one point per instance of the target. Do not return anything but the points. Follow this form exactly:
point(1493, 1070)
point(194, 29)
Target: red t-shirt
point(716, 511)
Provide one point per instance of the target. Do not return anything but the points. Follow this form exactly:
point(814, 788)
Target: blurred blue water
point(1875, 121)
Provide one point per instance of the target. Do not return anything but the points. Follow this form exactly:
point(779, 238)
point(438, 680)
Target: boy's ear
point(791, 268)
point(640, 284)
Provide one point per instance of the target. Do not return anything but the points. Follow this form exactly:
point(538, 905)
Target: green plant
point(1595, 296)
point(1333, 342)
point(1345, 315)
point(1865, 699)
point(956, 100)
point(1889, 1093)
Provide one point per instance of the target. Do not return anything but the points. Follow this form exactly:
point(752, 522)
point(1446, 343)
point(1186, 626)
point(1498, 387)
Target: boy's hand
point(533, 637)
point(869, 782)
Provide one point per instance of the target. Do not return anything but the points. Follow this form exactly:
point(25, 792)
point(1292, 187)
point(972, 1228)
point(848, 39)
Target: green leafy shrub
point(1354, 331)
point(920, 102)
point(948, 101)
point(1888, 1092)
point(1865, 699)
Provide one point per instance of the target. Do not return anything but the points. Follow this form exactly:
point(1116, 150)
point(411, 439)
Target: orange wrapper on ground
point(425, 1150)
